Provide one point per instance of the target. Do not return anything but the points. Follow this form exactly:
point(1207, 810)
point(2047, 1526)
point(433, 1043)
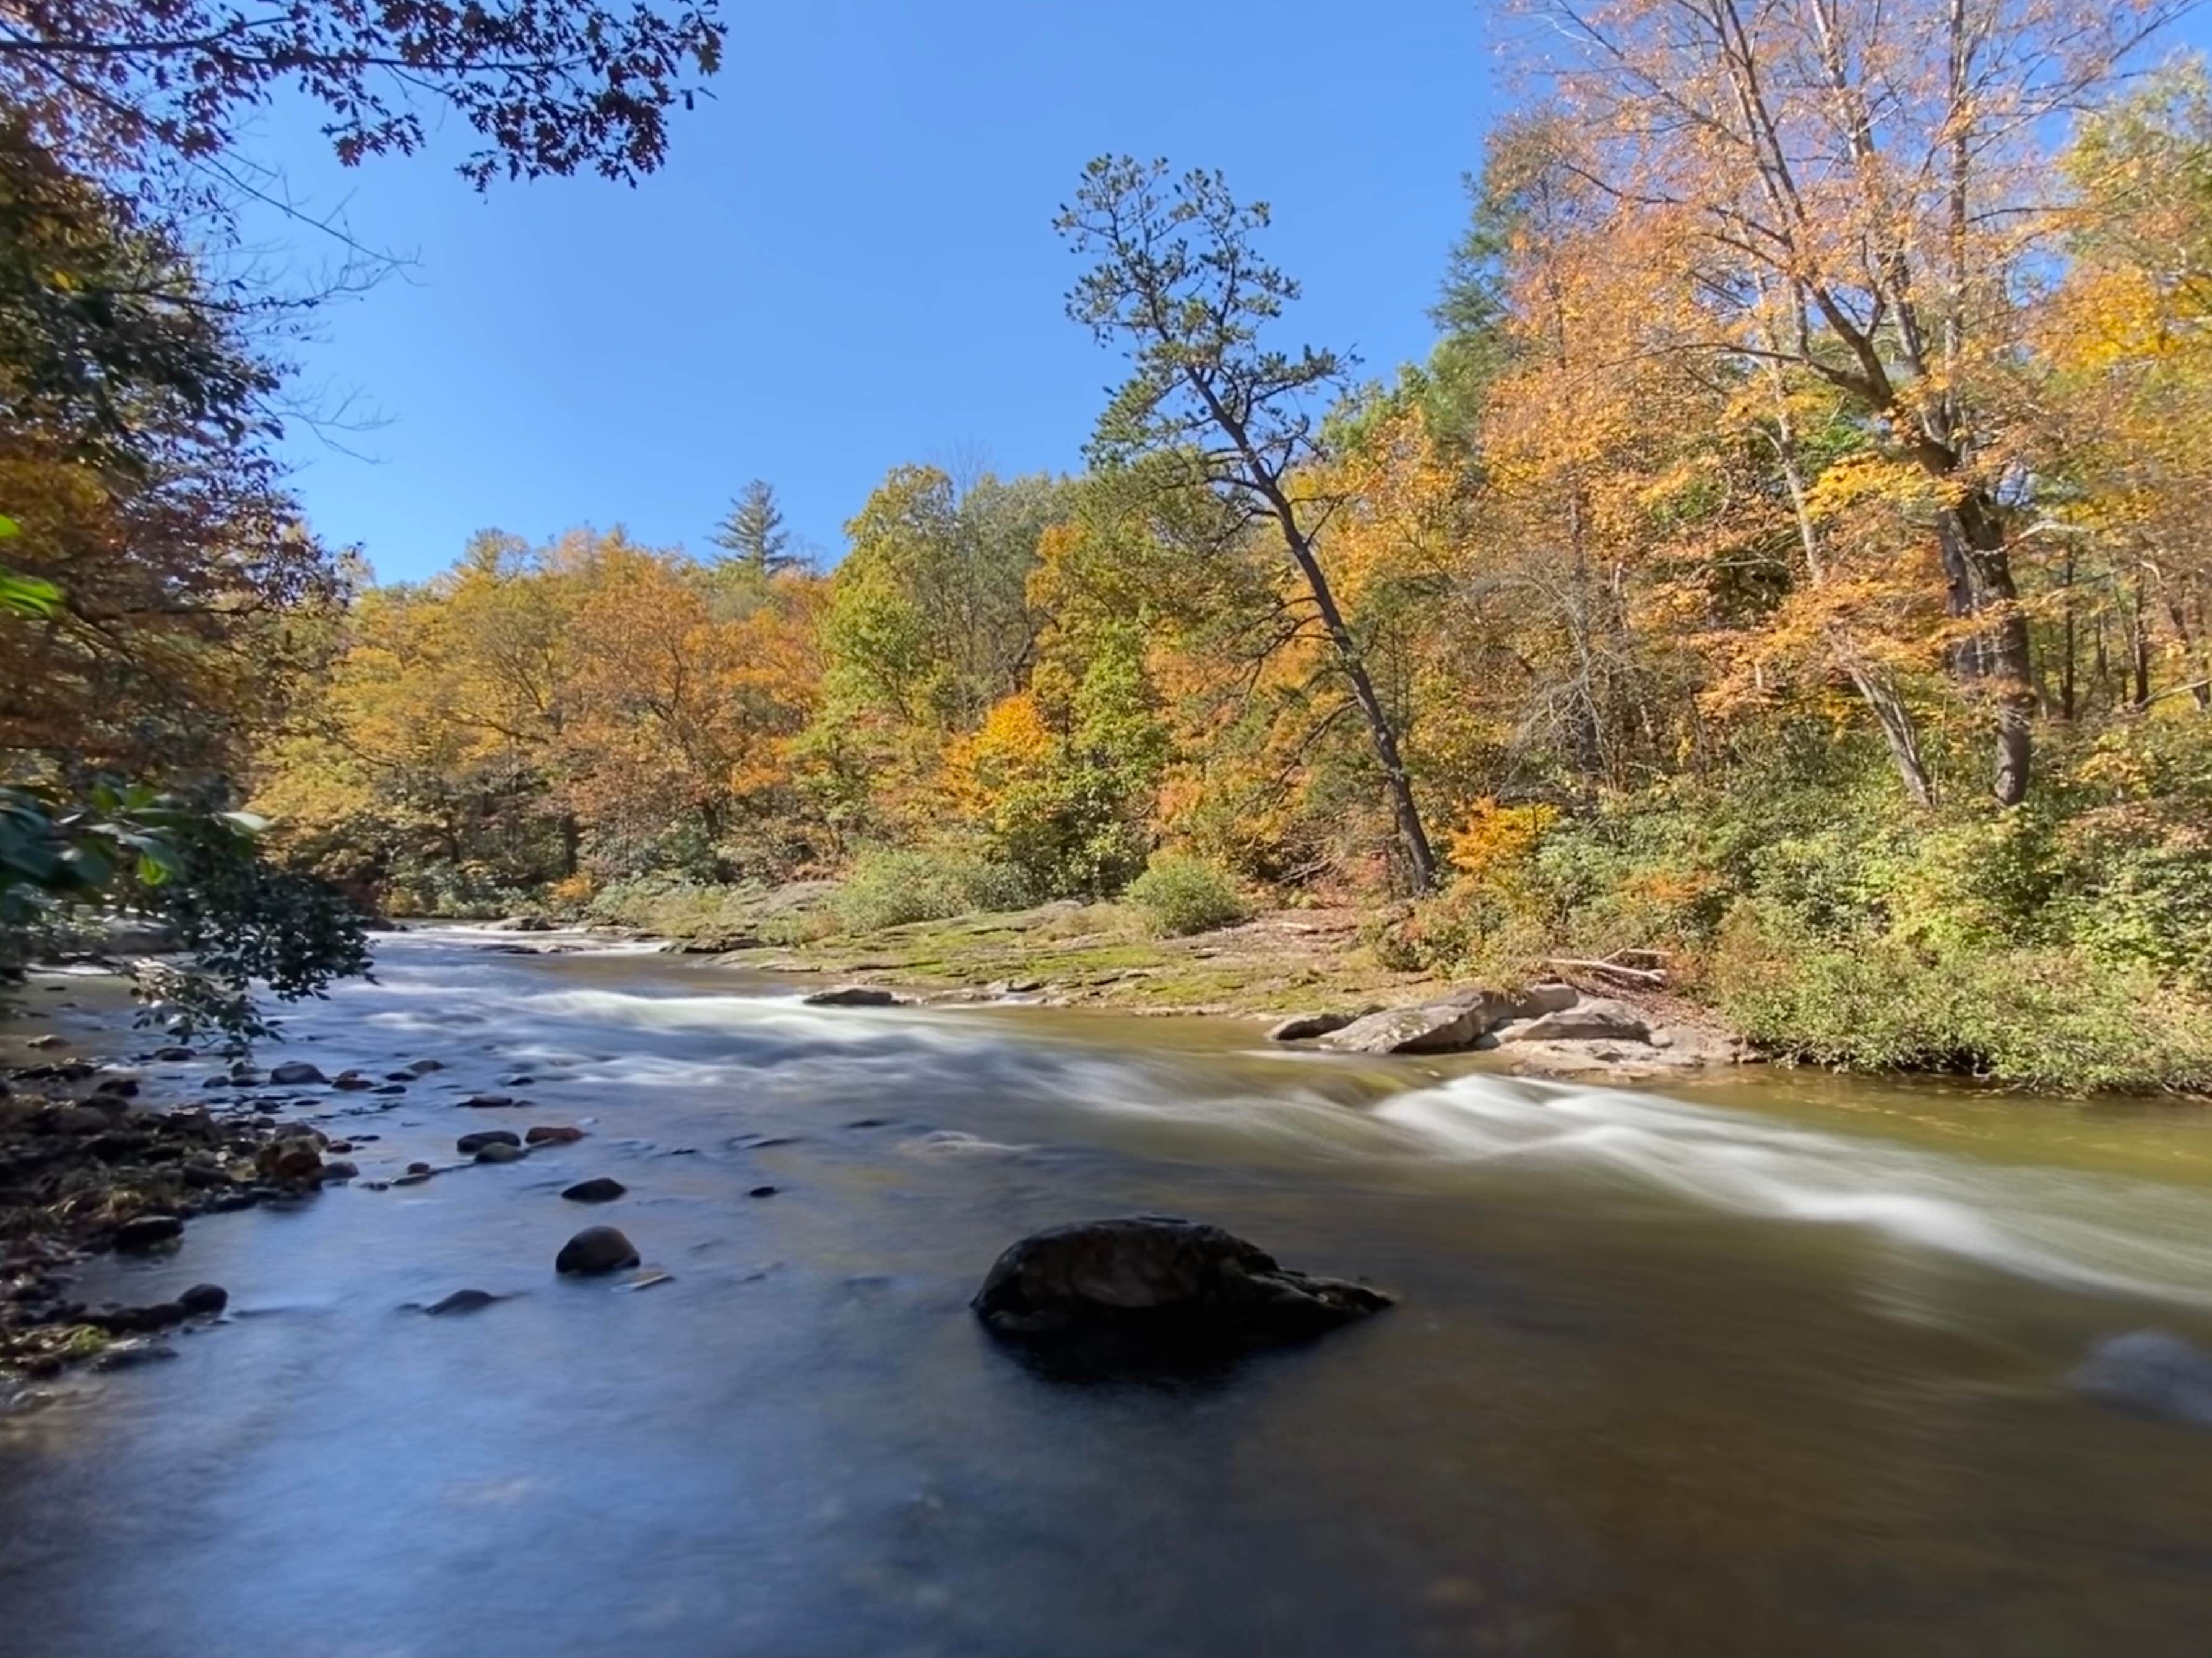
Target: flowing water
point(1779, 1367)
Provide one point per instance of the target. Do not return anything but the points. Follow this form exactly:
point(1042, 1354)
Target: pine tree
point(753, 533)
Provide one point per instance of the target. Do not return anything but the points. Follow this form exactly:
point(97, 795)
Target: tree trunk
point(1419, 855)
point(1977, 581)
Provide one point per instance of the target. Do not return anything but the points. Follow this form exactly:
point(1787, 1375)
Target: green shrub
point(893, 886)
point(1178, 895)
point(2051, 1018)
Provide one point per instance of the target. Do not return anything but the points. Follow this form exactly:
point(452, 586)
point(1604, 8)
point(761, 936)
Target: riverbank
point(1305, 972)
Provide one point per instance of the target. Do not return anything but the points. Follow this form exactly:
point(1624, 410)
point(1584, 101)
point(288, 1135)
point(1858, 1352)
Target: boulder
point(1448, 1025)
point(1591, 1019)
point(552, 1133)
point(204, 1300)
point(469, 1144)
point(294, 1073)
point(148, 1232)
point(1167, 1285)
point(1307, 1026)
point(501, 1151)
point(599, 1189)
point(288, 1160)
point(852, 996)
point(596, 1249)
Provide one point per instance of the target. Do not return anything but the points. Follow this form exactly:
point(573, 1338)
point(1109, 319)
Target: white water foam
point(2049, 1224)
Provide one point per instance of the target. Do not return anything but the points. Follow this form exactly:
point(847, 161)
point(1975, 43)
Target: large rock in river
point(1179, 1283)
point(1448, 1023)
point(596, 1249)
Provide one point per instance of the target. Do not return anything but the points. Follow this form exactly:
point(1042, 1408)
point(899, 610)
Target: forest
point(1791, 561)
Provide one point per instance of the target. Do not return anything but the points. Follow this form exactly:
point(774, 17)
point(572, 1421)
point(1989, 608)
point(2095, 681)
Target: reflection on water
point(1783, 1368)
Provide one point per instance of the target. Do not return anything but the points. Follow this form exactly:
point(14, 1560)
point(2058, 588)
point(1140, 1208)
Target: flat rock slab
point(1448, 1025)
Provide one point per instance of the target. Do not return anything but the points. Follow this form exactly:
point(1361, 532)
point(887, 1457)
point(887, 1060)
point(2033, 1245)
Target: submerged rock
point(461, 1301)
point(425, 1067)
point(487, 1101)
point(1175, 1287)
point(501, 1151)
point(598, 1189)
point(469, 1144)
point(852, 996)
point(2151, 1373)
point(294, 1072)
point(596, 1249)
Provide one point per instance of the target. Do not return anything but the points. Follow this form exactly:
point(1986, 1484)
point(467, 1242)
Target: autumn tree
point(1179, 285)
point(1849, 187)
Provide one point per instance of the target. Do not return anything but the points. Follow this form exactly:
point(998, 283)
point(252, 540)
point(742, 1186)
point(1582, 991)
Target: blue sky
point(848, 262)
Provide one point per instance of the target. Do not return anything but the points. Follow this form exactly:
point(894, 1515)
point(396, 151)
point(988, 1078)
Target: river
point(1770, 1368)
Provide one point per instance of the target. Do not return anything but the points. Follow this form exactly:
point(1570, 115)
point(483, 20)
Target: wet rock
point(412, 1178)
point(596, 1249)
point(337, 1169)
point(289, 1161)
point(763, 1192)
point(487, 1101)
point(204, 1300)
point(1448, 1025)
point(121, 1088)
point(461, 1301)
point(389, 1088)
point(126, 1355)
point(80, 1120)
point(499, 1151)
point(294, 1073)
point(1306, 1026)
point(1157, 1284)
point(553, 1133)
point(418, 1168)
point(174, 1055)
point(599, 1189)
point(2150, 1373)
point(425, 1067)
point(147, 1232)
point(518, 1080)
point(136, 1320)
point(469, 1144)
point(401, 1077)
point(352, 1081)
point(852, 996)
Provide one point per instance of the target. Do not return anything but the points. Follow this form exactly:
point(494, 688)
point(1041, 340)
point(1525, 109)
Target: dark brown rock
point(1168, 1285)
point(469, 1144)
point(596, 1249)
point(553, 1133)
point(852, 996)
point(599, 1189)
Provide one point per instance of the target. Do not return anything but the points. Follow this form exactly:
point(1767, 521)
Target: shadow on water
point(1792, 1368)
